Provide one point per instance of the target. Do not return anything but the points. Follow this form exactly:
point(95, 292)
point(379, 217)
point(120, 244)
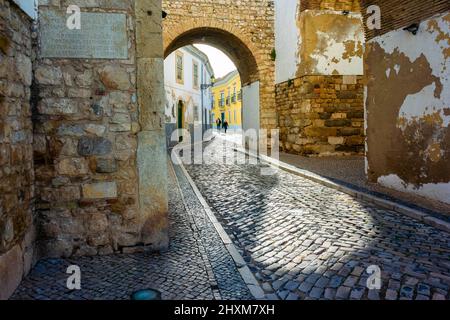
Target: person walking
point(225, 126)
point(219, 124)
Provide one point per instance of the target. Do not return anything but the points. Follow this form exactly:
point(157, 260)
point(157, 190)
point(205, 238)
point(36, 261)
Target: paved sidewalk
point(197, 265)
point(303, 240)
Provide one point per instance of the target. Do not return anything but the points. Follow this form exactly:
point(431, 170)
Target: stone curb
point(412, 213)
point(248, 277)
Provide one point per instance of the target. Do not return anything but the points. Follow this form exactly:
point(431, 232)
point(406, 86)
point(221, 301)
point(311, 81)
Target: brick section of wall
point(321, 115)
point(338, 5)
point(86, 140)
point(16, 136)
point(402, 13)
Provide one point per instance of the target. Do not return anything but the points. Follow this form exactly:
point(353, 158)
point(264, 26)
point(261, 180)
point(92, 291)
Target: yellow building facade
point(227, 100)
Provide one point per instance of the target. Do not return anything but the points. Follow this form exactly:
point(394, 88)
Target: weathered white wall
point(434, 44)
point(436, 191)
point(332, 43)
point(429, 105)
point(28, 6)
point(316, 42)
point(250, 111)
point(287, 39)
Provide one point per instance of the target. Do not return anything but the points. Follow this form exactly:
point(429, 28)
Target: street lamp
point(208, 85)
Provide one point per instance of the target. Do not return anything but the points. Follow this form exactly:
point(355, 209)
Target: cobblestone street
point(306, 241)
point(196, 266)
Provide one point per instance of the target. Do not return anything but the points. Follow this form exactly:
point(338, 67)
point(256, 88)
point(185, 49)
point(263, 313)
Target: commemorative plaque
point(101, 36)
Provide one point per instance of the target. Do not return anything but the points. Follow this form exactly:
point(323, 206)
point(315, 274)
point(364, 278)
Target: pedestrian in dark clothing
point(225, 125)
point(218, 123)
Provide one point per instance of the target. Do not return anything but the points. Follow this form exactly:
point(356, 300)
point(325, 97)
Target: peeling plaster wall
point(332, 43)
point(287, 39)
point(316, 42)
point(408, 109)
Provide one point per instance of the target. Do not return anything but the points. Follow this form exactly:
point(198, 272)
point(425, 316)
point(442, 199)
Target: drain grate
point(146, 295)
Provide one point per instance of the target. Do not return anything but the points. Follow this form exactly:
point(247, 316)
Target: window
point(222, 99)
point(195, 73)
point(235, 120)
point(179, 67)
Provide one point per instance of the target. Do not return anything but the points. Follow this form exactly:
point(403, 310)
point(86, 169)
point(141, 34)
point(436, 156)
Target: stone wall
point(16, 136)
point(88, 129)
point(321, 115)
point(407, 102)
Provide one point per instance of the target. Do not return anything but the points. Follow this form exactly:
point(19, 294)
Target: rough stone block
point(94, 146)
point(115, 77)
point(336, 140)
point(11, 272)
point(100, 190)
point(72, 167)
point(106, 166)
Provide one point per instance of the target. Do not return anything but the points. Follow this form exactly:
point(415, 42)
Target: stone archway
point(236, 49)
point(243, 31)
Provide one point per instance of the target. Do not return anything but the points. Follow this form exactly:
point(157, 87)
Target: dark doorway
point(180, 120)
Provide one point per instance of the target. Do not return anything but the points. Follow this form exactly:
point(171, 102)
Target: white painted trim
point(29, 7)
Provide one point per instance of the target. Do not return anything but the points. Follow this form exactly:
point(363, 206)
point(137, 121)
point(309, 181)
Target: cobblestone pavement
point(197, 265)
point(303, 240)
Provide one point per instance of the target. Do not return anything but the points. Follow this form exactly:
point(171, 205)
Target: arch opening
point(228, 43)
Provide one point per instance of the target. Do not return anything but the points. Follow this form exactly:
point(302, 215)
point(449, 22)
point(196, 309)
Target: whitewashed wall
point(287, 39)
point(250, 112)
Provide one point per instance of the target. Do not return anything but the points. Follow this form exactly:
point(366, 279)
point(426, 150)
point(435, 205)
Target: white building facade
point(188, 76)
